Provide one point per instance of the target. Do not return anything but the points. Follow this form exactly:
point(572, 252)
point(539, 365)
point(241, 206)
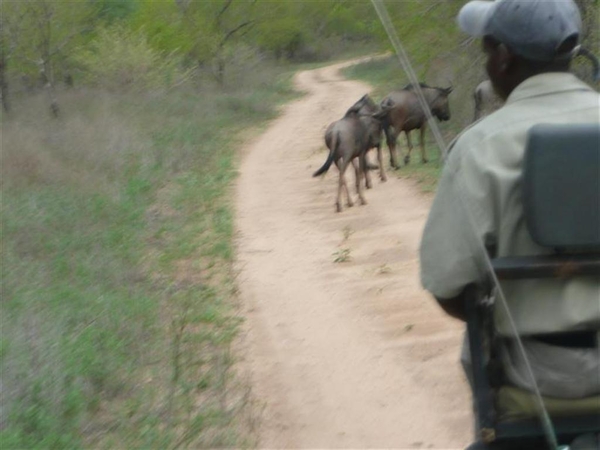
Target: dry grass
point(118, 295)
point(85, 149)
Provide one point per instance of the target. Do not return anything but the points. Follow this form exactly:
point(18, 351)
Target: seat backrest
point(561, 186)
point(561, 195)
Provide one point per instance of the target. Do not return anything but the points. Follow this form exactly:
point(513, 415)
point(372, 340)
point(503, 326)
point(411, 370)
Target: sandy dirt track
point(342, 355)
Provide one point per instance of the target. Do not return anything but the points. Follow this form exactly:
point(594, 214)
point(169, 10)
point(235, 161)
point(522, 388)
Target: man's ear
point(505, 59)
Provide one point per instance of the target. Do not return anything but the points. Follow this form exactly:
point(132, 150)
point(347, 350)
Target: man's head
point(523, 37)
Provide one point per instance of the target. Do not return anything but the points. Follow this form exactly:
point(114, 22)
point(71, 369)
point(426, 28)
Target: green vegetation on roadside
point(117, 281)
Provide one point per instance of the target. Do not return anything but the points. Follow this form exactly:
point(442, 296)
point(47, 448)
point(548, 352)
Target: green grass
point(383, 74)
point(342, 255)
point(118, 295)
point(425, 175)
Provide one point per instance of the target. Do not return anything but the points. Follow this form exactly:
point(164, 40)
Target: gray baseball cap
point(533, 29)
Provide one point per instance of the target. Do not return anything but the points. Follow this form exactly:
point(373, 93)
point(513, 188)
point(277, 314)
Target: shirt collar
point(547, 83)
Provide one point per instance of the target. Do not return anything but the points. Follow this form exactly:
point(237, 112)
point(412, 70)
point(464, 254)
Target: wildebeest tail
point(332, 152)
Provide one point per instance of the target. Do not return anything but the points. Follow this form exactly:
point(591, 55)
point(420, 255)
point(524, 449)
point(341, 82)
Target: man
point(478, 207)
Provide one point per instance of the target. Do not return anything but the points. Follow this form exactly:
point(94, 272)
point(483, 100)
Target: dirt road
point(350, 354)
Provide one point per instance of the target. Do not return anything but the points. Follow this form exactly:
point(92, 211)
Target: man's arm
point(455, 306)
point(461, 217)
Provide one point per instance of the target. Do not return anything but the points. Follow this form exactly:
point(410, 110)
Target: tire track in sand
point(352, 355)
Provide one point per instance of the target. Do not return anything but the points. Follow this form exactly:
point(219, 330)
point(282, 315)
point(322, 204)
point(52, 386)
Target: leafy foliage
point(110, 11)
point(119, 58)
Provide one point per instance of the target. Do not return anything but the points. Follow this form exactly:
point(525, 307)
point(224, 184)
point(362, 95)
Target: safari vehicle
point(561, 192)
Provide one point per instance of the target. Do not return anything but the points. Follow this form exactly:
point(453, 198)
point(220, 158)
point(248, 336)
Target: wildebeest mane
point(365, 103)
point(411, 86)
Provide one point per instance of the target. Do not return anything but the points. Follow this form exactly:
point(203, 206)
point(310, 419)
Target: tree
point(52, 26)
point(214, 26)
point(11, 19)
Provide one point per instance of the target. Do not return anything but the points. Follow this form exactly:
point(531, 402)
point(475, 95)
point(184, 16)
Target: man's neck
point(525, 72)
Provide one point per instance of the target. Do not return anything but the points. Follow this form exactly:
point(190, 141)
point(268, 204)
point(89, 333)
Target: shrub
point(121, 59)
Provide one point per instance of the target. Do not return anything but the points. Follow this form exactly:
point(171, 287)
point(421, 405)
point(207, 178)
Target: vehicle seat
point(561, 194)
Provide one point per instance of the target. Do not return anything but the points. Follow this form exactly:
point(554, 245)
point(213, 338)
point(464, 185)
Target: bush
point(121, 59)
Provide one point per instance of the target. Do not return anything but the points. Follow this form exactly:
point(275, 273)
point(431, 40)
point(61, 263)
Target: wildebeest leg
point(350, 202)
point(362, 160)
point(356, 169)
point(341, 164)
point(355, 163)
point(338, 198)
point(357, 177)
point(391, 135)
point(382, 174)
point(367, 171)
point(410, 147)
point(423, 151)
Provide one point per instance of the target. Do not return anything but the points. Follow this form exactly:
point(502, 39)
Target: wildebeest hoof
point(369, 185)
point(383, 179)
point(425, 160)
point(363, 201)
point(350, 204)
point(338, 207)
point(406, 159)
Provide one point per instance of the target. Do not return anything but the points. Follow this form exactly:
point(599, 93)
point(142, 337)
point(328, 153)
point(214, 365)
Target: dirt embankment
point(351, 354)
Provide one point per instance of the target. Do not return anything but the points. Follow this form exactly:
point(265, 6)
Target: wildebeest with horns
point(401, 111)
point(349, 139)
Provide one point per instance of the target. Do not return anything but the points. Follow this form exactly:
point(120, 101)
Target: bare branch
point(232, 32)
point(223, 10)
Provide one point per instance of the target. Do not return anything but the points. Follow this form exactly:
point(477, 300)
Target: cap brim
point(474, 17)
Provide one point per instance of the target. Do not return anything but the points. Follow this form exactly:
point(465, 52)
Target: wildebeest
point(401, 111)
point(486, 100)
point(348, 139)
point(365, 106)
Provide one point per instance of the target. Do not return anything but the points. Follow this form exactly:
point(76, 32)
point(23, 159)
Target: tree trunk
point(4, 84)
point(220, 75)
point(46, 77)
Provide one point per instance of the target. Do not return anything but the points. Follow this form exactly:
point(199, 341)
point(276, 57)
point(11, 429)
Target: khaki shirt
point(478, 200)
